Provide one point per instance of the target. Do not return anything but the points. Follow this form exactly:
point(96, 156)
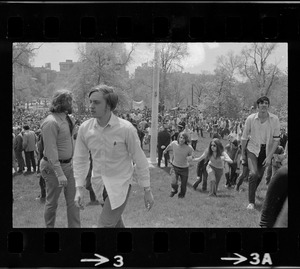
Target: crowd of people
point(255, 143)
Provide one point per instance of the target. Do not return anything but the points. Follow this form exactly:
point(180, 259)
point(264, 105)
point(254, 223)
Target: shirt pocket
point(118, 149)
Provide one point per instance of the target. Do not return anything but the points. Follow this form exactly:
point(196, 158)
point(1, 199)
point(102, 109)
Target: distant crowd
point(255, 143)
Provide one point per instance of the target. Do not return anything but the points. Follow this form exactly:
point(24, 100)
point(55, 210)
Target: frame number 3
point(120, 262)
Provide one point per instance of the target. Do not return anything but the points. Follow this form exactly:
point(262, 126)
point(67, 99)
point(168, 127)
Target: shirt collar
point(62, 115)
point(270, 115)
point(112, 121)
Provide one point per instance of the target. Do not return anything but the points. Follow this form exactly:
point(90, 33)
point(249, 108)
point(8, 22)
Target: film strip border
point(150, 22)
point(152, 247)
point(153, 22)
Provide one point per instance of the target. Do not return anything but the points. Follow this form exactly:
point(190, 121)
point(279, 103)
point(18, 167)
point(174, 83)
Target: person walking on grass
point(29, 146)
point(201, 175)
point(56, 166)
point(116, 153)
point(263, 130)
point(244, 172)
point(216, 157)
point(194, 137)
point(182, 153)
point(14, 159)
point(163, 140)
point(233, 152)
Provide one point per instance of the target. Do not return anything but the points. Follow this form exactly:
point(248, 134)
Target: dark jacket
point(18, 143)
point(164, 138)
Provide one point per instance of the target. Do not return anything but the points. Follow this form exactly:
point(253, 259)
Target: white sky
point(202, 55)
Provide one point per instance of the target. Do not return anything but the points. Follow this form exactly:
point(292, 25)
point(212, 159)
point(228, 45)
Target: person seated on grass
point(216, 155)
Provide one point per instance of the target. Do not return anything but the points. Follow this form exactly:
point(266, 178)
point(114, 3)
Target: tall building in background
point(44, 75)
point(66, 66)
point(48, 66)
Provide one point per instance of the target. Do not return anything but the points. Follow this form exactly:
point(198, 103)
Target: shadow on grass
point(224, 195)
point(259, 206)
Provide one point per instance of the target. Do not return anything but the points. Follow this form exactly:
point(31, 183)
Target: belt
point(61, 161)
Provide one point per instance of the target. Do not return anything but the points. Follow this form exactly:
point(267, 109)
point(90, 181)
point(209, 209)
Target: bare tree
point(255, 67)
point(23, 53)
point(176, 88)
point(101, 63)
point(171, 55)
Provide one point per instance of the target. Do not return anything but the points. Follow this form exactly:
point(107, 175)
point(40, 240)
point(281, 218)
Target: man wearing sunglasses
point(263, 131)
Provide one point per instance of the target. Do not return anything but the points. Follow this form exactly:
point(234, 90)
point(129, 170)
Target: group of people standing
point(110, 142)
point(114, 146)
point(262, 144)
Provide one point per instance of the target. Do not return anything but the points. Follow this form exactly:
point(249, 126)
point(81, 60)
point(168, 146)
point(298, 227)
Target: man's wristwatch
point(147, 189)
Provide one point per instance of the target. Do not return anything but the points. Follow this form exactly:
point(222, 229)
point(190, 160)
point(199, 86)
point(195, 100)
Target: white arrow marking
point(238, 259)
point(99, 261)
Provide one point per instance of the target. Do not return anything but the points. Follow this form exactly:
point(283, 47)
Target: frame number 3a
point(256, 259)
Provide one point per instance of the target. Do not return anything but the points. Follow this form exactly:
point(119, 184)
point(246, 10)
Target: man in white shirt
point(263, 130)
point(114, 145)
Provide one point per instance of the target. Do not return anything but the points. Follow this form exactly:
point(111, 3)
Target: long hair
point(219, 151)
point(109, 95)
point(60, 101)
point(185, 136)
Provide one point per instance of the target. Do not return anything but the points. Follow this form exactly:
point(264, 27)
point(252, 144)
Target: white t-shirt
point(263, 132)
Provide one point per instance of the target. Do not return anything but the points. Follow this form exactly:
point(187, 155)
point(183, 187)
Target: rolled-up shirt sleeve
point(139, 157)
point(50, 132)
point(276, 134)
point(81, 161)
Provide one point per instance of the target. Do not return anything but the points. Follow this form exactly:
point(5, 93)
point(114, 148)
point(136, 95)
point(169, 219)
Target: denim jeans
point(53, 191)
point(112, 218)
point(256, 172)
point(202, 174)
point(242, 176)
point(30, 160)
point(42, 184)
point(183, 174)
point(275, 197)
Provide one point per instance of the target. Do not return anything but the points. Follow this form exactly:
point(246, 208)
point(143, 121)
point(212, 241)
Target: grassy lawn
point(197, 209)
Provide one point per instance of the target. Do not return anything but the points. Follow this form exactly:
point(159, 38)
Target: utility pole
point(192, 94)
point(154, 113)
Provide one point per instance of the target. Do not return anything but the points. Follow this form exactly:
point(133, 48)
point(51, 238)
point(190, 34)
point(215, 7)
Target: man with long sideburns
point(56, 166)
point(116, 153)
point(263, 131)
